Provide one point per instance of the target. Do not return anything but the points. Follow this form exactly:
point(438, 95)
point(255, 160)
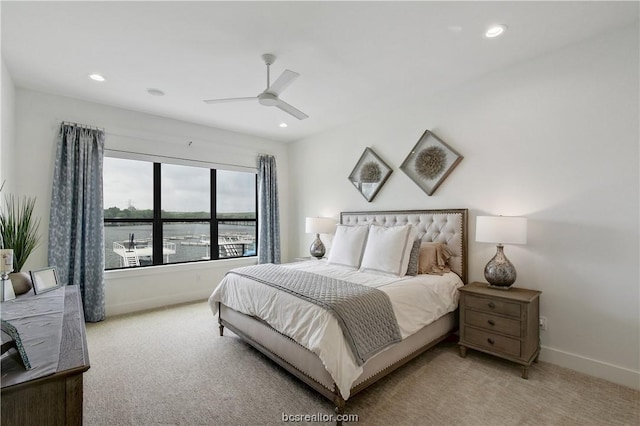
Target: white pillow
point(388, 250)
point(348, 245)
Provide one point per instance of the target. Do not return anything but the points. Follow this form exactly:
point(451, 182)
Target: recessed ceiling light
point(283, 124)
point(155, 92)
point(495, 30)
point(96, 77)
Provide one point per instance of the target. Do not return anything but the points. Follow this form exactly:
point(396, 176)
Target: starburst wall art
point(430, 162)
point(369, 174)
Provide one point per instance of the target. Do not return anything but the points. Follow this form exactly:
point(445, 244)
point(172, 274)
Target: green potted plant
point(19, 231)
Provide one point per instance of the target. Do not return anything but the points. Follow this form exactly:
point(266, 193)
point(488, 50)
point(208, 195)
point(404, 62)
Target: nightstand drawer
point(492, 323)
point(492, 342)
point(492, 305)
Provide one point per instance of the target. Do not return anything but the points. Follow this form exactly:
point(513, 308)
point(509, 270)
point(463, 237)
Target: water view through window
point(184, 221)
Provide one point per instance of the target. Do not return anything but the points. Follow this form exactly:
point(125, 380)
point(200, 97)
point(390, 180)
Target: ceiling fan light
point(268, 99)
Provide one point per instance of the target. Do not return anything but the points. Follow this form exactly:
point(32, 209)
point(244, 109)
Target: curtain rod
point(83, 126)
point(190, 143)
point(179, 158)
point(86, 126)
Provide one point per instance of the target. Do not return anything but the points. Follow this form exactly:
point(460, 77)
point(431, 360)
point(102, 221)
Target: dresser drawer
point(493, 342)
point(493, 323)
point(492, 305)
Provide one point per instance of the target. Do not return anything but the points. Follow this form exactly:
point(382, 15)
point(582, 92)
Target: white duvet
point(416, 301)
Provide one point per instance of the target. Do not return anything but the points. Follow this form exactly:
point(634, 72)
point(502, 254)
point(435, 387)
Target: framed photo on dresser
point(45, 280)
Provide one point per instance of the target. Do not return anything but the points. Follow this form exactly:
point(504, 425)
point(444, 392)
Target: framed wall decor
point(430, 162)
point(369, 174)
point(45, 280)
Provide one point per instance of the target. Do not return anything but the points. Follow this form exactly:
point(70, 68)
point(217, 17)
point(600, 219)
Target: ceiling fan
point(270, 96)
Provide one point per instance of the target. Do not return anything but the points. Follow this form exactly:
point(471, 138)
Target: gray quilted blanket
point(364, 313)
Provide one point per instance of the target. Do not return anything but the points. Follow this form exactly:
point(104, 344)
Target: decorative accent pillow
point(348, 245)
point(388, 249)
point(414, 259)
point(433, 258)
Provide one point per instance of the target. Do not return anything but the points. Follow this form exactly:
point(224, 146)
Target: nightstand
point(503, 323)
point(303, 258)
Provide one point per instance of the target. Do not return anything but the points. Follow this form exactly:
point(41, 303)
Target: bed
point(308, 360)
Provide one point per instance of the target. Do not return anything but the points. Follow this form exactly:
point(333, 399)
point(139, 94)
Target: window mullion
point(157, 215)
point(215, 250)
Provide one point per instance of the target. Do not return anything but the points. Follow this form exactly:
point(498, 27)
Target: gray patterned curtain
point(268, 212)
point(76, 226)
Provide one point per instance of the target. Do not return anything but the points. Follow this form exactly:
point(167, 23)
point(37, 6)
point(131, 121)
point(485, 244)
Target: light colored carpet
point(170, 367)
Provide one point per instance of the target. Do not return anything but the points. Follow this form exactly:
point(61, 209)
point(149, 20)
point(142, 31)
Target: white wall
point(555, 140)
point(37, 121)
point(7, 132)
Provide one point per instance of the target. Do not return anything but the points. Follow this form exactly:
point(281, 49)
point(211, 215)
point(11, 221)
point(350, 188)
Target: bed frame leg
point(339, 411)
point(340, 403)
point(220, 320)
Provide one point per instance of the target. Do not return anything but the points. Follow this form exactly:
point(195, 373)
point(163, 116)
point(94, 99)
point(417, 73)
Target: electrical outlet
point(543, 323)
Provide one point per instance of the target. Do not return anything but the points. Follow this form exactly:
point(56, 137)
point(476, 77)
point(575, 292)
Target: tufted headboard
point(447, 226)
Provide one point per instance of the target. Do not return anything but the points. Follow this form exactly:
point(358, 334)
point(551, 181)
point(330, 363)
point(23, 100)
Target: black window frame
point(158, 221)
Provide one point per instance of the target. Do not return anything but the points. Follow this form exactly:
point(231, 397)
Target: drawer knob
point(491, 322)
point(491, 341)
point(491, 305)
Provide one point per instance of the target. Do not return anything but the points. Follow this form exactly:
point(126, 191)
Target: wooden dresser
point(503, 323)
point(55, 399)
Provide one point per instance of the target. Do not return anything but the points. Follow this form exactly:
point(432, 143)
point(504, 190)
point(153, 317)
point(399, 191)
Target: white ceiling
point(355, 58)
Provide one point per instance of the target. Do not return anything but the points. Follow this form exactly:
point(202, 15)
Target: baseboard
point(613, 373)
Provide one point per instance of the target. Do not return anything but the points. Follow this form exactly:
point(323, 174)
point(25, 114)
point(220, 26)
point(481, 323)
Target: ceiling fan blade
point(291, 110)
point(217, 101)
point(285, 79)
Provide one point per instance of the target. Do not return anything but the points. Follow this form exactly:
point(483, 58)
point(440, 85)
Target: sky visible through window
point(185, 188)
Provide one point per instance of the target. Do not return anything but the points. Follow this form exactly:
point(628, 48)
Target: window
point(159, 213)
point(237, 230)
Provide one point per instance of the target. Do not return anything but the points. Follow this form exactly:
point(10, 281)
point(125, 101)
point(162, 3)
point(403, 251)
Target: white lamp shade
point(320, 225)
point(501, 229)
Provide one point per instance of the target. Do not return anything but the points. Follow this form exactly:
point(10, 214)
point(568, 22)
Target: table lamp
point(6, 266)
point(319, 225)
point(500, 272)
